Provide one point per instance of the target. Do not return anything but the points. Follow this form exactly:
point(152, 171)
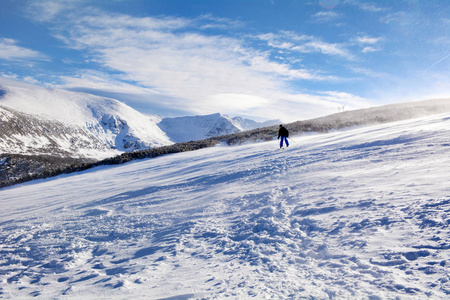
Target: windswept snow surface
point(358, 214)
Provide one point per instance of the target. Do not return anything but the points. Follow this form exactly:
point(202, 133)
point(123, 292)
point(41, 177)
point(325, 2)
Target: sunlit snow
point(357, 214)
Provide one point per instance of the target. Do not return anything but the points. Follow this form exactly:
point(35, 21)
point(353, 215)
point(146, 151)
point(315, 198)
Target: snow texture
point(73, 123)
point(358, 214)
point(194, 128)
point(36, 120)
point(185, 129)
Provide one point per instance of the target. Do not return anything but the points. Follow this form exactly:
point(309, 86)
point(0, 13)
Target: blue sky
point(261, 59)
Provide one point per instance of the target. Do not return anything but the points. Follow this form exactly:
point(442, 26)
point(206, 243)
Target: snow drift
point(358, 214)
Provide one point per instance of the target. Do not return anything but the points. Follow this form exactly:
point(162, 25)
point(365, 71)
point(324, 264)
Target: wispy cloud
point(367, 72)
point(218, 23)
point(368, 40)
point(261, 64)
point(49, 10)
point(185, 63)
point(10, 50)
point(369, 44)
point(369, 49)
point(304, 44)
point(96, 80)
point(325, 16)
point(366, 5)
point(399, 17)
point(163, 55)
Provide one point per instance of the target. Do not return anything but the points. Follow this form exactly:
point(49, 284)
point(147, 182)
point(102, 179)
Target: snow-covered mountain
point(37, 120)
point(355, 214)
point(193, 128)
point(184, 129)
point(247, 124)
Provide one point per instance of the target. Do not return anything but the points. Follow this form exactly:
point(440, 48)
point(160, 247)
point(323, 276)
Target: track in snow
point(362, 213)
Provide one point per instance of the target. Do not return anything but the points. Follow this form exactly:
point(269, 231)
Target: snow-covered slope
point(193, 128)
point(358, 214)
point(102, 124)
point(84, 125)
point(29, 134)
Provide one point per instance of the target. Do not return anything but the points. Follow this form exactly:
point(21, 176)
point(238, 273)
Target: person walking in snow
point(283, 133)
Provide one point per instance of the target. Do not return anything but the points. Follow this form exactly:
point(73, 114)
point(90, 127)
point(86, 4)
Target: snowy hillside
point(72, 123)
point(37, 121)
point(358, 214)
point(184, 129)
point(194, 128)
point(29, 134)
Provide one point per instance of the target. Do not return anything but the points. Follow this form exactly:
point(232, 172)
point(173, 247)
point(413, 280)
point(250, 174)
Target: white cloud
point(343, 97)
point(95, 80)
point(218, 23)
point(365, 5)
point(292, 107)
point(261, 64)
point(9, 50)
point(369, 49)
point(31, 80)
point(367, 72)
point(49, 10)
point(179, 64)
point(325, 48)
point(9, 75)
point(395, 18)
point(231, 102)
point(325, 16)
point(368, 40)
point(173, 61)
point(369, 43)
point(304, 44)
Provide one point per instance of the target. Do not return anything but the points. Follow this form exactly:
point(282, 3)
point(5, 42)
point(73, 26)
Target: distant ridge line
point(361, 117)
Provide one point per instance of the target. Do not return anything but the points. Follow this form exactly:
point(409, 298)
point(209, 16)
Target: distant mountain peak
point(184, 129)
point(59, 122)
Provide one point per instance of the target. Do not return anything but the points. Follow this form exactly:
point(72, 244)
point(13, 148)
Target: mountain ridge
point(354, 214)
point(193, 128)
point(362, 117)
point(106, 127)
point(103, 124)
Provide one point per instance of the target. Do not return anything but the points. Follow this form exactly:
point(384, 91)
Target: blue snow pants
point(281, 141)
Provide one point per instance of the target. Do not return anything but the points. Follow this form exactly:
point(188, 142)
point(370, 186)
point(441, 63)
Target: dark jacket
point(283, 132)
